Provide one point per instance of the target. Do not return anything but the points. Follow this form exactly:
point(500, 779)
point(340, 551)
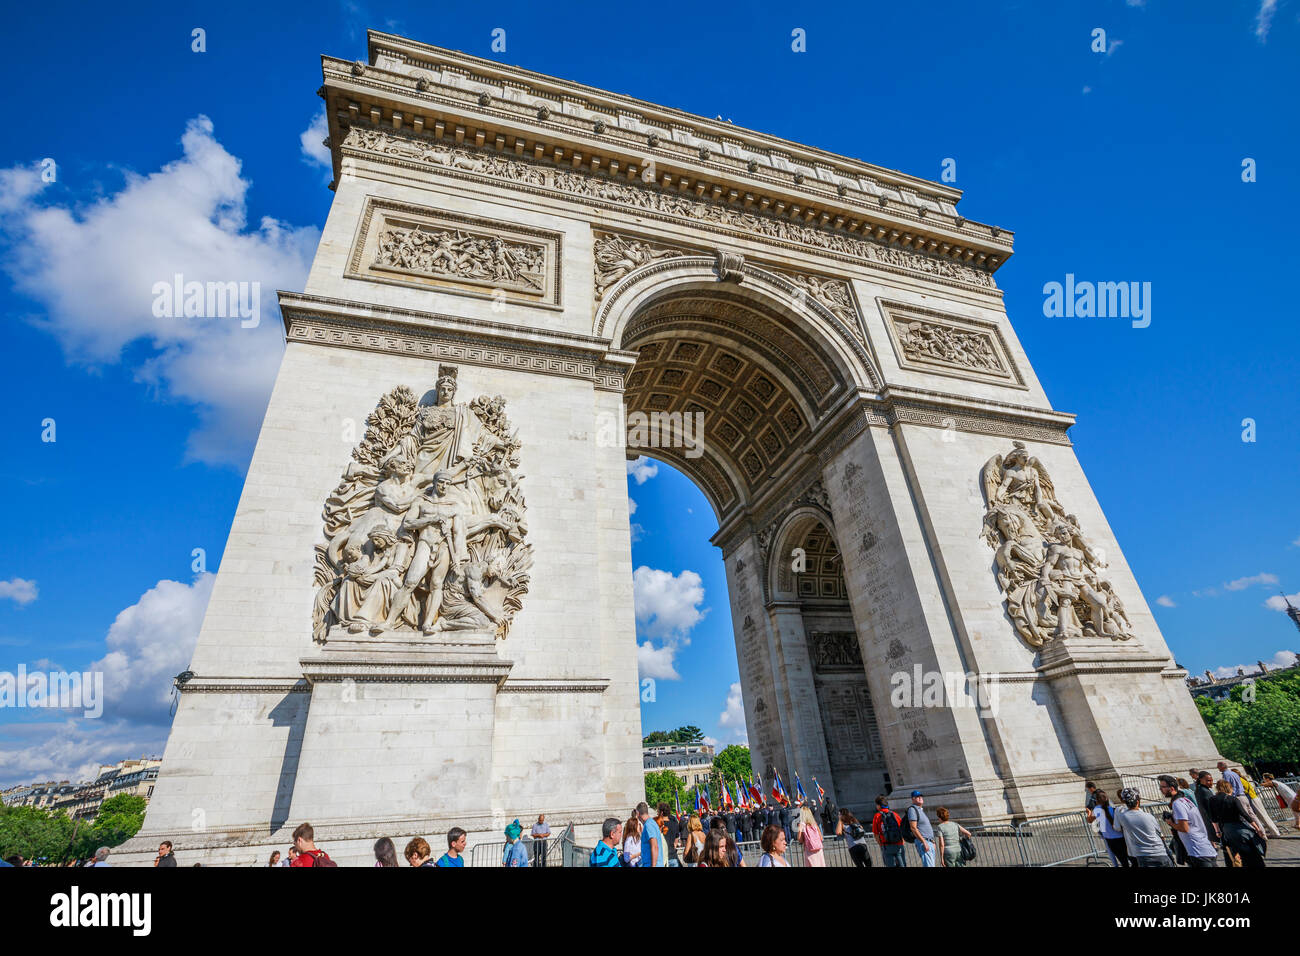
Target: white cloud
point(1166, 601)
point(1264, 18)
point(642, 469)
point(631, 506)
point(1087, 90)
point(311, 142)
point(150, 643)
point(1278, 601)
point(1114, 45)
point(1280, 659)
point(92, 269)
point(666, 607)
point(1242, 583)
point(638, 532)
point(71, 749)
point(657, 662)
point(733, 716)
point(18, 590)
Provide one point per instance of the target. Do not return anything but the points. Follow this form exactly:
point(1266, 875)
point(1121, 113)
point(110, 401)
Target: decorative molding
point(939, 343)
point(542, 177)
point(245, 685)
point(421, 247)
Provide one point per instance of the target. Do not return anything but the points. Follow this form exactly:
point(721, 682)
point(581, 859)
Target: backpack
point(890, 828)
point(322, 859)
point(1249, 788)
point(967, 849)
point(812, 839)
point(857, 832)
point(908, 835)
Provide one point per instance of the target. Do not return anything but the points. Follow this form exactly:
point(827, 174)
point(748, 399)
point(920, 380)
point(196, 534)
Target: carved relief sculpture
point(616, 256)
point(930, 341)
point(456, 254)
point(1049, 573)
point(425, 532)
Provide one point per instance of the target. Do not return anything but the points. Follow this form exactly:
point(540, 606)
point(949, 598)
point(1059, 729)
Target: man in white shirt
point(1185, 820)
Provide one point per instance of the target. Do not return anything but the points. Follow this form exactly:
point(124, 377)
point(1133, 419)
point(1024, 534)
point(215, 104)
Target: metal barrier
point(996, 845)
point(1060, 839)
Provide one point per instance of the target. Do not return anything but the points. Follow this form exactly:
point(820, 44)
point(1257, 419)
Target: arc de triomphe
point(424, 618)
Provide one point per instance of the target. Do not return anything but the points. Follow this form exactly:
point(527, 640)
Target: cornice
point(427, 88)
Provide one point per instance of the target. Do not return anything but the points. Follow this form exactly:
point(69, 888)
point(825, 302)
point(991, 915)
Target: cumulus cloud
point(1242, 583)
point(18, 590)
point(312, 143)
point(71, 749)
point(631, 506)
point(93, 269)
point(1166, 601)
point(667, 607)
point(642, 469)
point(150, 643)
point(732, 718)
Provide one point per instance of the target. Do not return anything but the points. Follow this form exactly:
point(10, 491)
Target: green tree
point(1265, 729)
point(36, 834)
point(690, 734)
point(119, 819)
point(661, 786)
point(657, 737)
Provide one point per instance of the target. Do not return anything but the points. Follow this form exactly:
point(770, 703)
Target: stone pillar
point(903, 624)
point(806, 744)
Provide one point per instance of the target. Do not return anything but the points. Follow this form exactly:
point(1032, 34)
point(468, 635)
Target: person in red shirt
point(308, 855)
point(888, 828)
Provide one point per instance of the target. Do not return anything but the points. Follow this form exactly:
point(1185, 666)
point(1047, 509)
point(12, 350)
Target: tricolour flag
point(798, 788)
point(821, 794)
point(725, 796)
point(756, 790)
point(778, 789)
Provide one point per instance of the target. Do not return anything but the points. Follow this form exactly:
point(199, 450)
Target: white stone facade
point(839, 327)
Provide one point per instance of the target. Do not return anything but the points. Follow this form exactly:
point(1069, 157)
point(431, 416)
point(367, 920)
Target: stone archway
point(567, 257)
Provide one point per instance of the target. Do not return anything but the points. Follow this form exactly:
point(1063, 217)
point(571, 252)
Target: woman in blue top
point(516, 853)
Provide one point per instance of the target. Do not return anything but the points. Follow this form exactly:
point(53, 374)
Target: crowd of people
point(1207, 817)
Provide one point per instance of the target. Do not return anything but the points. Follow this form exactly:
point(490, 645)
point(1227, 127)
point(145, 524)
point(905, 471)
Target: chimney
point(1262, 668)
point(1209, 677)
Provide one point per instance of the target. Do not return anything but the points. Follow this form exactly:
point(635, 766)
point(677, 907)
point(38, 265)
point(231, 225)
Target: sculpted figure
point(1049, 573)
point(428, 521)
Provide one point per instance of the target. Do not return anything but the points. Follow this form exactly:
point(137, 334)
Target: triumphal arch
point(424, 614)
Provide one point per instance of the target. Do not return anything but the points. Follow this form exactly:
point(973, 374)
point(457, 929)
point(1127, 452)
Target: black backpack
point(857, 831)
point(890, 828)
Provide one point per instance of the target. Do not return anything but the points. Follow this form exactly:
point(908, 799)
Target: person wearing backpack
point(888, 828)
point(918, 831)
point(810, 835)
point(855, 837)
point(308, 855)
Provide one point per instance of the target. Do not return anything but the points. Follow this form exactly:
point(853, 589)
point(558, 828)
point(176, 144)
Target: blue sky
point(1122, 165)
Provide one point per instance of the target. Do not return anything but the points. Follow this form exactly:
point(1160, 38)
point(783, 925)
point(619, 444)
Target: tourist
point(888, 829)
point(1116, 848)
point(632, 841)
point(716, 851)
point(515, 854)
point(672, 831)
point(1257, 804)
point(918, 831)
point(308, 854)
point(948, 836)
point(385, 853)
point(855, 838)
point(774, 844)
point(810, 835)
point(606, 849)
point(540, 833)
point(100, 858)
point(653, 851)
point(455, 855)
point(418, 851)
point(1238, 789)
point(275, 858)
point(1241, 834)
point(1090, 796)
point(693, 850)
point(1286, 797)
point(1204, 792)
point(165, 855)
point(1142, 837)
point(1185, 820)
point(292, 857)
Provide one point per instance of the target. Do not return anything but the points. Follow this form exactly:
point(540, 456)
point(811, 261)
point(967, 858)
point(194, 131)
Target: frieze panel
point(460, 160)
point(433, 249)
point(959, 347)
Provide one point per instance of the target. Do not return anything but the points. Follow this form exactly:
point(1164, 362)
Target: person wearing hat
point(516, 854)
point(918, 824)
point(1141, 831)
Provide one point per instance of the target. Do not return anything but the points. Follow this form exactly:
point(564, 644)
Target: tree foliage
point(55, 838)
point(690, 734)
point(662, 785)
point(1263, 730)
